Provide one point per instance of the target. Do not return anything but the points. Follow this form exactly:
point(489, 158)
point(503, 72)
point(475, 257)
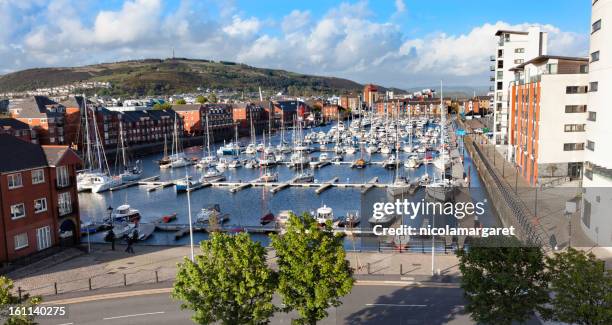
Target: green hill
point(157, 77)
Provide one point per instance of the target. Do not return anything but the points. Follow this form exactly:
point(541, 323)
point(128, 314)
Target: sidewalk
point(104, 268)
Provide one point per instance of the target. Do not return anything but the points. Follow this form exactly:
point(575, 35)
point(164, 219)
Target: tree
point(582, 289)
point(313, 272)
point(181, 101)
point(8, 299)
point(162, 106)
point(212, 98)
point(229, 283)
point(502, 284)
point(201, 99)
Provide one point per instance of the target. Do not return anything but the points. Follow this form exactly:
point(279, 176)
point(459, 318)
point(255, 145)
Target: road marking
point(394, 305)
point(127, 294)
point(134, 315)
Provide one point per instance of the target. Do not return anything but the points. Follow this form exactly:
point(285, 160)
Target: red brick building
point(370, 95)
point(244, 113)
point(44, 116)
point(333, 112)
point(38, 198)
point(15, 128)
point(191, 115)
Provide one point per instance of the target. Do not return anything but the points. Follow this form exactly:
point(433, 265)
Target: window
point(518, 61)
point(17, 211)
point(500, 85)
point(575, 108)
point(500, 75)
point(586, 216)
point(64, 202)
point(573, 146)
point(62, 176)
point(500, 64)
point(594, 85)
point(21, 241)
point(584, 68)
point(574, 127)
point(592, 116)
point(40, 205)
point(596, 26)
point(14, 181)
point(38, 176)
point(595, 56)
point(590, 145)
point(576, 89)
point(519, 50)
point(43, 237)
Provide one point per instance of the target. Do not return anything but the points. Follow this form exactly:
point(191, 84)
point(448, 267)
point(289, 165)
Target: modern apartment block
point(38, 198)
point(548, 105)
point(597, 181)
point(513, 48)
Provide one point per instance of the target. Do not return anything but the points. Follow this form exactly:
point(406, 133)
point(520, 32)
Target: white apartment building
point(548, 111)
point(513, 48)
point(597, 181)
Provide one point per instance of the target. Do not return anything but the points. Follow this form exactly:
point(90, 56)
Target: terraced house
point(45, 117)
point(38, 198)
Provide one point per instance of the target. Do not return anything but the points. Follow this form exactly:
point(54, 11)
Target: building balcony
point(492, 67)
point(492, 78)
point(491, 88)
point(492, 58)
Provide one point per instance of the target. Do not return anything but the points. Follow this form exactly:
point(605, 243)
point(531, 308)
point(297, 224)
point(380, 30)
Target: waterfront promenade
point(104, 268)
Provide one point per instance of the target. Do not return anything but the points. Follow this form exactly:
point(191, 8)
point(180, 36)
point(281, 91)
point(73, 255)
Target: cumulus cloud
point(346, 41)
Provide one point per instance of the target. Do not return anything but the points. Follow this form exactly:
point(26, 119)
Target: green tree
point(229, 283)
point(8, 299)
point(212, 98)
point(181, 102)
point(502, 284)
point(163, 106)
point(582, 289)
point(201, 99)
point(313, 272)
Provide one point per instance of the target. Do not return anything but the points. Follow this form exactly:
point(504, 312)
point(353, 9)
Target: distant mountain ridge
point(166, 76)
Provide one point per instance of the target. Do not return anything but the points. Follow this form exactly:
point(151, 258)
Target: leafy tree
point(212, 98)
point(502, 284)
point(8, 299)
point(181, 102)
point(162, 106)
point(313, 272)
point(201, 99)
point(582, 289)
point(229, 283)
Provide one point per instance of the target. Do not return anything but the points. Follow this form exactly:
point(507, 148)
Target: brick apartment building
point(38, 198)
point(15, 128)
point(44, 116)
point(333, 112)
point(244, 113)
point(191, 115)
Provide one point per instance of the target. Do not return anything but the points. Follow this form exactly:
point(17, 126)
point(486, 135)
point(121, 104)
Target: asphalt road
point(367, 304)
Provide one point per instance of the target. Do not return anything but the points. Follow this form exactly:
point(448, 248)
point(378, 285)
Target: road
point(367, 304)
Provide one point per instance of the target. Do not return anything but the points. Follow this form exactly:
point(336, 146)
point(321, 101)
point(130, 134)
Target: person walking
point(130, 242)
point(110, 237)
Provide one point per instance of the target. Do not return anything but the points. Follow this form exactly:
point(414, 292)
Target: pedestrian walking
point(110, 237)
point(132, 238)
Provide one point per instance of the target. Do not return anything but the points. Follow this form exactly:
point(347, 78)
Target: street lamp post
point(189, 214)
point(433, 261)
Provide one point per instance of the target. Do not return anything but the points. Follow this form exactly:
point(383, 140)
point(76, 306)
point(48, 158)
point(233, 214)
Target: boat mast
point(207, 136)
point(87, 135)
point(125, 165)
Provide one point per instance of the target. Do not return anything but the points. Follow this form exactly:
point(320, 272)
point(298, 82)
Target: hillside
point(157, 77)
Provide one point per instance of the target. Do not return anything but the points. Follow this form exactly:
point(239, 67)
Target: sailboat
point(208, 160)
point(131, 172)
point(442, 189)
point(99, 179)
point(304, 176)
point(164, 162)
point(401, 184)
point(177, 158)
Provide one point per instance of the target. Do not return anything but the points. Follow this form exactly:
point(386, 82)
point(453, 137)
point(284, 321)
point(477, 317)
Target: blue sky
point(402, 43)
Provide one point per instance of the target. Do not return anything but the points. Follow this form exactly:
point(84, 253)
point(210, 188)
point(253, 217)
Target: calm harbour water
point(247, 206)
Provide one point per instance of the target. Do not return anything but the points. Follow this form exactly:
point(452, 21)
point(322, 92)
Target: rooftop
point(25, 155)
point(505, 31)
point(544, 58)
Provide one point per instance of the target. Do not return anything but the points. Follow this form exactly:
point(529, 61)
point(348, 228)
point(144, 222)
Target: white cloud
point(400, 6)
point(242, 27)
point(347, 41)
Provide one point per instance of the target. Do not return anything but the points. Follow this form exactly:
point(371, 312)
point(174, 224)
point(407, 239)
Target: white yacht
point(324, 214)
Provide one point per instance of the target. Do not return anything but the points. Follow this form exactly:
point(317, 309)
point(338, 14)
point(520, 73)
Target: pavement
point(547, 205)
point(104, 268)
point(366, 304)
